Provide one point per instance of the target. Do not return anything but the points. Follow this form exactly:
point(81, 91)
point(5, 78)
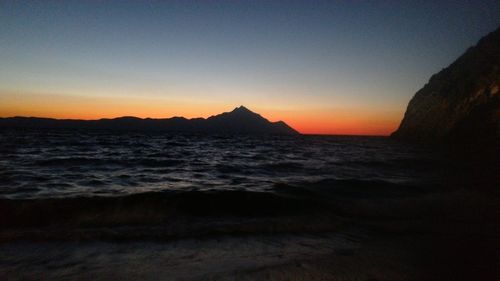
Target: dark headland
point(239, 121)
point(461, 103)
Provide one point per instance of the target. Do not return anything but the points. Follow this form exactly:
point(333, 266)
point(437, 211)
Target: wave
point(352, 188)
point(312, 207)
point(150, 208)
point(100, 161)
point(162, 216)
point(299, 198)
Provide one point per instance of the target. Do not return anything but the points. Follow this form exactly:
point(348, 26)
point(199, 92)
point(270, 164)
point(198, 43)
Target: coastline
point(386, 238)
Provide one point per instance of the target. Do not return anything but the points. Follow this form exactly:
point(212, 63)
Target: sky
point(324, 67)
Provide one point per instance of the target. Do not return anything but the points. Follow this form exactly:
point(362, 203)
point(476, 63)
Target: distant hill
point(239, 121)
point(461, 103)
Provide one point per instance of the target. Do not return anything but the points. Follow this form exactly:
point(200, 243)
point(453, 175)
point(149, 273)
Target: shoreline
point(447, 235)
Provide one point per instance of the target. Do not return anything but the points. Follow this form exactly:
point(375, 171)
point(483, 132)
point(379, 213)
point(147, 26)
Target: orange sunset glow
point(317, 121)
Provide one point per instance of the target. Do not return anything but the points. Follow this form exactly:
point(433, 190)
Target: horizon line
point(144, 118)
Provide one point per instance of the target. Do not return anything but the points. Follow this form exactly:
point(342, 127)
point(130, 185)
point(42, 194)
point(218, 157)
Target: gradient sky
point(330, 67)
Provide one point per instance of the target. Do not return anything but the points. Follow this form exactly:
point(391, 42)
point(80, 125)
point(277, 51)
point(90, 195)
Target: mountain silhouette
point(239, 121)
point(461, 103)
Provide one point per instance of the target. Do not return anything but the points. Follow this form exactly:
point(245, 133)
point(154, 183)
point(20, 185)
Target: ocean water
point(48, 164)
point(90, 205)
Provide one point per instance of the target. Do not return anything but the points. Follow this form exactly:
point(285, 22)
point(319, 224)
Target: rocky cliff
point(461, 103)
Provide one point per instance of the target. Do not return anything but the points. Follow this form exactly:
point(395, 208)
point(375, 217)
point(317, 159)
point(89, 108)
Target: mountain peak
point(241, 108)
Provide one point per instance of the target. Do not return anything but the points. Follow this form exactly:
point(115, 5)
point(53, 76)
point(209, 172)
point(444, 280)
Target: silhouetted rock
point(461, 103)
point(239, 121)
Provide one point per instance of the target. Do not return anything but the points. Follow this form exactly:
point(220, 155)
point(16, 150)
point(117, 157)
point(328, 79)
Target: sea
point(104, 205)
point(60, 164)
point(38, 164)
